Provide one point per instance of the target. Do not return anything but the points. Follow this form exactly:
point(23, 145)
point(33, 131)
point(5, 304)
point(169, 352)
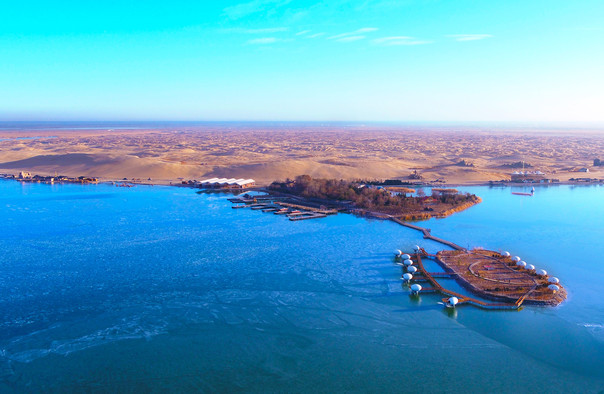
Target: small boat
point(525, 194)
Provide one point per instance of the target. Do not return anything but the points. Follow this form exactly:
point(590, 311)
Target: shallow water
point(161, 288)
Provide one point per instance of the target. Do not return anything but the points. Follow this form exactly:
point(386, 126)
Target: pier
point(281, 206)
point(307, 216)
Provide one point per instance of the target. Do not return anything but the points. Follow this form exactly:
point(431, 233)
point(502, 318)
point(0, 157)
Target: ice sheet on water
point(596, 329)
point(64, 338)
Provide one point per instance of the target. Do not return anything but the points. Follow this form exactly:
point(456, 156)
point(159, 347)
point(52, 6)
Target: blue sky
point(382, 60)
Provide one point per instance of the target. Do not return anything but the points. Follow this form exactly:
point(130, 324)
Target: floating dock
point(307, 216)
point(280, 206)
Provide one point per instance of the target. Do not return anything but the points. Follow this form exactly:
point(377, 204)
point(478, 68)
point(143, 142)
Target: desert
point(268, 152)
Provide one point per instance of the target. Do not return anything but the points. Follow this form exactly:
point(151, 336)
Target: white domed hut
point(521, 264)
point(415, 288)
point(542, 273)
point(451, 302)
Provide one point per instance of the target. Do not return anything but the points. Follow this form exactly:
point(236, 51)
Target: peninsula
point(361, 198)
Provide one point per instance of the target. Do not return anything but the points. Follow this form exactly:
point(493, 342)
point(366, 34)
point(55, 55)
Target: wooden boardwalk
point(463, 299)
point(427, 234)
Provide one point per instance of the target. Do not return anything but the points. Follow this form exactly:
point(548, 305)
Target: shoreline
point(263, 188)
point(178, 182)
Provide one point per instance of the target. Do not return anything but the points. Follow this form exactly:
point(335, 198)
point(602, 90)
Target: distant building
point(527, 176)
point(583, 170)
point(225, 183)
point(24, 175)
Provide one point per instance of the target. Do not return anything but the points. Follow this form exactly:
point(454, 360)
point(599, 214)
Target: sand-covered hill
point(273, 153)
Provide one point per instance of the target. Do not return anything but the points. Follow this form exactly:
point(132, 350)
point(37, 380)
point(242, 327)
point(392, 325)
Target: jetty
point(305, 216)
point(294, 210)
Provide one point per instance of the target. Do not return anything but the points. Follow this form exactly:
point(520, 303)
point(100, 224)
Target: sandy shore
point(278, 152)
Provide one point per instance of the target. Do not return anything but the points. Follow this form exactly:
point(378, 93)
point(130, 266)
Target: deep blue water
point(160, 288)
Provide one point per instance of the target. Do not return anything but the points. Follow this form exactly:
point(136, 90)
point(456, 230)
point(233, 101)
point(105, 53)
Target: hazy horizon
point(7, 125)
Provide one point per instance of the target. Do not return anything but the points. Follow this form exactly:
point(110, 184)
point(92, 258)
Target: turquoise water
point(149, 289)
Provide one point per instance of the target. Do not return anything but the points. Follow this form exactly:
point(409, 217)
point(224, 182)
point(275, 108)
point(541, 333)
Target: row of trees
point(363, 197)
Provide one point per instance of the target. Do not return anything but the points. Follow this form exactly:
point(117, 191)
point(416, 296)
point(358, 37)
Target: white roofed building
point(527, 176)
point(228, 183)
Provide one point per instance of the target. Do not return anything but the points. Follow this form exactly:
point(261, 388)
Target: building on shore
point(527, 176)
point(226, 183)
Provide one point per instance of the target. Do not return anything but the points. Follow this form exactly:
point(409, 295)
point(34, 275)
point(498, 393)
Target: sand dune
point(268, 154)
point(101, 165)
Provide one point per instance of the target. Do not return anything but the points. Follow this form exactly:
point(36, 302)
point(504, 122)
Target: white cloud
point(263, 41)
point(367, 30)
point(469, 37)
point(399, 40)
point(363, 30)
point(350, 38)
point(303, 32)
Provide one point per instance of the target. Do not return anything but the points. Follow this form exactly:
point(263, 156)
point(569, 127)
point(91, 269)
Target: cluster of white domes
point(405, 257)
point(411, 269)
point(554, 282)
point(407, 277)
point(416, 248)
point(408, 262)
point(398, 253)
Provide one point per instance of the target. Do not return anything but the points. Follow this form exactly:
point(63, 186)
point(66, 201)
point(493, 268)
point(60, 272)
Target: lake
point(149, 289)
